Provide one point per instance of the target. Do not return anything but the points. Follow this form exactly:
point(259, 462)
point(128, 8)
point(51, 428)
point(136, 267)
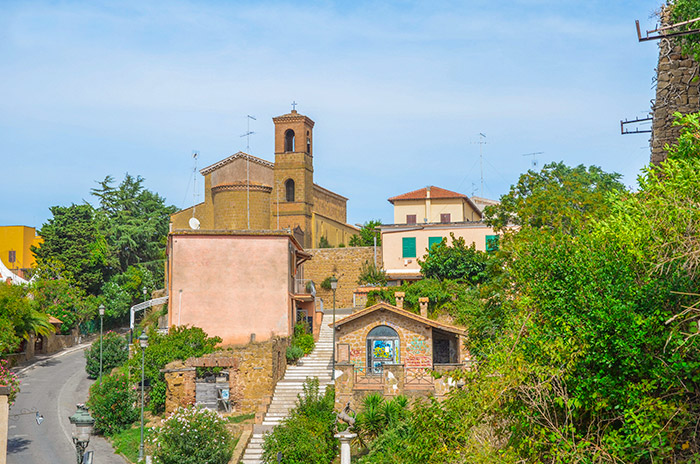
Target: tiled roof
point(435, 193)
point(402, 312)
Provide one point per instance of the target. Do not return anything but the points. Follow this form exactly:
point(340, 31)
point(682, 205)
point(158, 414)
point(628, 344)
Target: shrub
point(193, 436)
point(306, 436)
point(179, 343)
point(112, 403)
point(370, 274)
point(9, 379)
point(115, 352)
point(305, 342)
point(294, 353)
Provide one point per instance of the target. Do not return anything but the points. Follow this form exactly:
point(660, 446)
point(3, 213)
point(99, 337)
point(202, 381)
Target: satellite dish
point(194, 223)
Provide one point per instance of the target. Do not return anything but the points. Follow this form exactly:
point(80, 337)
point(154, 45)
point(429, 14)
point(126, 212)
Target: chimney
point(399, 299)
point(423, 306)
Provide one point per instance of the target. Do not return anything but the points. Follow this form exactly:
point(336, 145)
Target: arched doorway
point(382, 348)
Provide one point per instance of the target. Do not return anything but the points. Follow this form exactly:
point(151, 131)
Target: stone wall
point(677, 89)
point(254, 370)
point(345, 264)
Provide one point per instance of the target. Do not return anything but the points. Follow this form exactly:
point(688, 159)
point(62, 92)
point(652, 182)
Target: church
point(244, 192)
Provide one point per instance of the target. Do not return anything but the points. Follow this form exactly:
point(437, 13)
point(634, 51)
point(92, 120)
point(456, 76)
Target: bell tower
point(293, 191)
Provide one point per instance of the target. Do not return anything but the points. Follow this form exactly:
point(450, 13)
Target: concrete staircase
point(316, 364)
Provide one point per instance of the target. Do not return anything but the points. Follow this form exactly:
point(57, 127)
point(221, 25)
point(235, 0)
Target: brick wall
point(345, 264)
point(253, 369)
point(677, 89)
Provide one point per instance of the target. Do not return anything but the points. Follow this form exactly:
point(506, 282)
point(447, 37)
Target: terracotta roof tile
point(435, 193)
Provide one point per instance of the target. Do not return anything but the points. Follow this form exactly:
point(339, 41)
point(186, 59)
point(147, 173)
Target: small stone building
point(386, 348)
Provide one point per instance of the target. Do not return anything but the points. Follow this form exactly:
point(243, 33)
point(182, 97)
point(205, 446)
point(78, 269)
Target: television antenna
point(195, 156)
point(534, 157)
point(247, 135)
point(481, 143)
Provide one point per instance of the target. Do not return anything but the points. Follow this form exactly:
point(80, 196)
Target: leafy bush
point(371, 275)
point(112, 403)
point(179, 343)
point(456, 262)
point(305, 343)
point(326, 284)
point(115, 352)
point(294, 353)
point(324, 243)
point(193, 436)
point(377, 415)
point(9, 379)
point(306, 436)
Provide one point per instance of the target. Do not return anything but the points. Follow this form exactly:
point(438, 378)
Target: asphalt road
point(52, 386)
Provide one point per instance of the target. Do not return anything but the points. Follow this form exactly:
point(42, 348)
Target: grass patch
point(241, 418)
point(127, 442)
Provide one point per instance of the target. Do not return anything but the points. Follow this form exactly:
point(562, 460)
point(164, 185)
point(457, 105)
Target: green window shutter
point(409, 247)
point(491, 242)
point(432, 241)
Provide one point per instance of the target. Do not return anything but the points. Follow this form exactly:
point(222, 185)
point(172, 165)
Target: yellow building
point(15, 248)
point(244, 192)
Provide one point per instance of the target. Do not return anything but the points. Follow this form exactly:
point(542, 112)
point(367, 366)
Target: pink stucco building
point(238, 285)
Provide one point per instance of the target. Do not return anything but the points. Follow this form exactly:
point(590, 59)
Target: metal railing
point(374, 376)
point(418, 377)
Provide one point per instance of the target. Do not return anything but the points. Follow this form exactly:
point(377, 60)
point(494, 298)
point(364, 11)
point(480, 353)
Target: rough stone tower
point(677, 89)
point(293, 190)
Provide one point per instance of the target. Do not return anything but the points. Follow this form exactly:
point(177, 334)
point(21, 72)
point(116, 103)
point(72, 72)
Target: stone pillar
point(423, 306)
point(394, 379)
point(345, 439)
point(4, 411)
point(344, 384)
point(399, 299)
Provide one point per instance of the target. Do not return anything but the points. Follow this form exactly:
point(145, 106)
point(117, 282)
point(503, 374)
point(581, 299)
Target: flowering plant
point(9, 379)
point(192, 435)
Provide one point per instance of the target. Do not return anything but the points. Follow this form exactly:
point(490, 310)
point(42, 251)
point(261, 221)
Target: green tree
point(454, 262)
point(367, 234)
point(58, 296)
point(71, 238)
point(114, 353)
point(18, 319)
point(558, 197)
point(371, 274)
point(135, 222)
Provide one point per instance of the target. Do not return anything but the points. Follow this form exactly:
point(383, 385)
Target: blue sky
point(399, 92)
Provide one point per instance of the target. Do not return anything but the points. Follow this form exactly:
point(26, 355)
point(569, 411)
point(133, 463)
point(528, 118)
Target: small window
point(491, 242)
point(432, 241)
point(445, 218)
point(289, 140)
point(289, 190)
point(13, 256)
point(410, 219)
point(409, 247)
point(308, 142)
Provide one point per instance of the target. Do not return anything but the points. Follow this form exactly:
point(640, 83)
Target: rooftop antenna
point(247, 135)
point(534, 158)
point(481, 143)
point(194, 222)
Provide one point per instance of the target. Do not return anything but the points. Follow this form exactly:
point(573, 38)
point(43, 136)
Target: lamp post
point(82, 423)
point(334, 286)
point(101, 309)
point(143, 341)
point(144, 293)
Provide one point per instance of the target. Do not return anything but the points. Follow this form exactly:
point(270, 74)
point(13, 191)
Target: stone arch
point(382, 344)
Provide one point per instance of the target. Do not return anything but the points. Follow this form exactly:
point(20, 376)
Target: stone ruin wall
point(677, 89)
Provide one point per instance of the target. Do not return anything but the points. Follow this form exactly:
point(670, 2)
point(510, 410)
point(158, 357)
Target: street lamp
point(144, 293)
point(82, 423)
point(334, 286)
point(101, 309)
point(143, 341)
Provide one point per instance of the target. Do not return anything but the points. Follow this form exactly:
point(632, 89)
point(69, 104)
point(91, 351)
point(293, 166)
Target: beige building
point(424, 217)
point(433, 204)
point(244, 192)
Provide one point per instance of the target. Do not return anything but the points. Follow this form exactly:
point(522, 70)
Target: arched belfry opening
point(289, 190)
point(289, 140)
point(308, 142)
